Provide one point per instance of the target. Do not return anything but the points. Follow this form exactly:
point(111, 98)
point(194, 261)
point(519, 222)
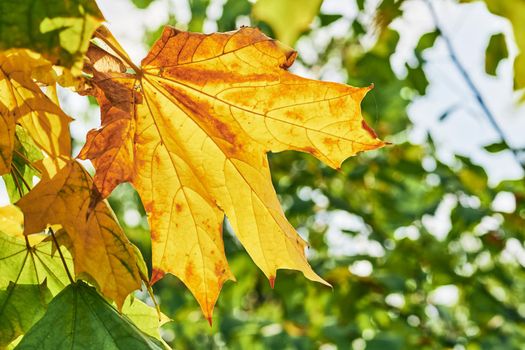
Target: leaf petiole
point(61, 256)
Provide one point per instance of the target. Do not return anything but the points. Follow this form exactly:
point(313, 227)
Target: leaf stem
point(470, 83)
point(151, 294)
point(28, 162)
point(17, 184)
point(21, 176)
point(61, 256)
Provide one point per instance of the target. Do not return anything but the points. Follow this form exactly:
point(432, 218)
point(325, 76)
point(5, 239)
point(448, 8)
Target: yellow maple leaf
point(11, 220)
point(23, 102)
point(64, 196)
point(191, 129)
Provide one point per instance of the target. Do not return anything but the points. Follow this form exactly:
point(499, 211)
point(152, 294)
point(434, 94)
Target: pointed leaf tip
point(156, 275)
point(210, 320)
point(272, 281)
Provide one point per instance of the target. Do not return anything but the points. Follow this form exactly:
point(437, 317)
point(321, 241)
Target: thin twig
point(471, 85)
point(17, 184)
point(61, 256)
point(28, 162)
point(19, 173)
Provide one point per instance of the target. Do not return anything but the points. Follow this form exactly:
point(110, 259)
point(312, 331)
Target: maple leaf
point(11, 220)
point(63, 196)
point(191, 129)
point(29, 275)
point(23, 102)
point(145, 317)
point(79, 318)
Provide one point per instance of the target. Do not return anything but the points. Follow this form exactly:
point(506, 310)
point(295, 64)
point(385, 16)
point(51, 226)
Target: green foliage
point(198, 14)
point(299, 15)
point(231, 10)
point(497, 147)
point(21, 177)
point(142, 4)
point(59, 30)
point(21, 265)
point(29, 279)
point(496, 51)
point(79, 318)
point(20, 307)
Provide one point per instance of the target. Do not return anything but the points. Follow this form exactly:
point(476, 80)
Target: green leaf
point(387, 11)
point(142, 4)
point(328, 19)
point(231, 10)
point(417, 78)
point(198, 14)
point(32, 266)
point(59, 30)
point(21, 305)
point(28, 280)
point(145, 317)
point(496, 51)
point(79, 318)
point(496, 147)
point(22, 173)
point(426, 41)
point(287, 18)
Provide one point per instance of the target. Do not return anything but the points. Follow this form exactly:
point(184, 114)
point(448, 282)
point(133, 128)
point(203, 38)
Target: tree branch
point(475, 91)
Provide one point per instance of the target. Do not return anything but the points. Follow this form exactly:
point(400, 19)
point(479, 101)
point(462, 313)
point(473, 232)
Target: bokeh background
point(422, 240)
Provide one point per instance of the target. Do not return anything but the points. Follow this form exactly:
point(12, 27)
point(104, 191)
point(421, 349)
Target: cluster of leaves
point(42, 45)
point(190, 129)
point(396, 192)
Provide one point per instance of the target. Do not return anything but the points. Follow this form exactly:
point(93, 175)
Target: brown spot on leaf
point(310, 150)
point(219, 269)
point(329, 141)
point(189, 271)
point(369, 129)
point(204, 115)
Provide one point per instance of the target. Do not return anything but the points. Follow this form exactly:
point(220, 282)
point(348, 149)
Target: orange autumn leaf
point(191, 128)
point(100, 247)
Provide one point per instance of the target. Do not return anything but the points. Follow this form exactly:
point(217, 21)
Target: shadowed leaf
point(28, 279)
point(64, 198)
point(20, 307)
point(59, 30)
point(79, 318)
point(23, 102)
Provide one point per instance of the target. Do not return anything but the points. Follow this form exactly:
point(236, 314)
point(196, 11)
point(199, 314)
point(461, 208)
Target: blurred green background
point(422, 243)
